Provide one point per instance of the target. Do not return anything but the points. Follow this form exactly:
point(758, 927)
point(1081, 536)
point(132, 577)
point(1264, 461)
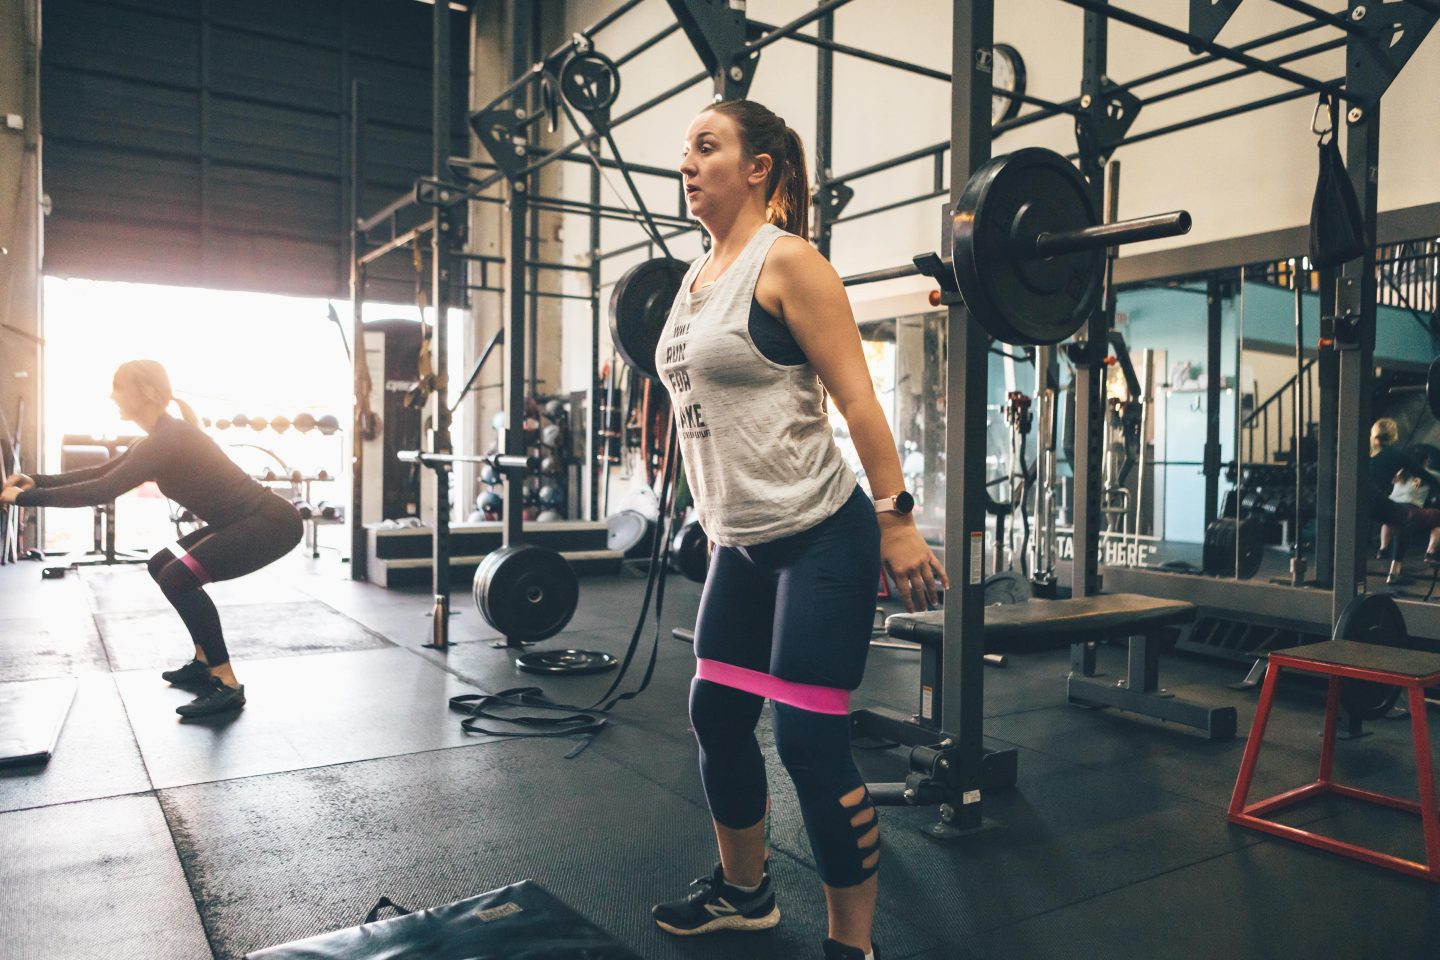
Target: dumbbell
point(327, 424)
point(549, 516)
point(280, 424)
point(550, 465)
point(239, 420)
point(330, 510)
point(304, 422)
point(555, 411)
point(489, 475)
point(305, 509)
point(551, 496)
point(259, 423)
point(552, 436)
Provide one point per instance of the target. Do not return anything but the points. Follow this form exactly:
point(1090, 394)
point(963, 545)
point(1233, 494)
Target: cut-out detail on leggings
point(870, 839)
point(863, 817)
point(870, 862)
point(854, 798)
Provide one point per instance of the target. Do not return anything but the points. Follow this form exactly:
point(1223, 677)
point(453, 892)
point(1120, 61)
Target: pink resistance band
point(806, 696)
point(190, 562)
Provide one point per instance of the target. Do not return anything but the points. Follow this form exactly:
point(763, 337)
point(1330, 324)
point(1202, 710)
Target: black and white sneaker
point(216, 697)
point(714, 905)
point(193, 674)
point(835, 950)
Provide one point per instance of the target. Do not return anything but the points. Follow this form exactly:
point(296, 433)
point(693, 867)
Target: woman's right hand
point(20, 480)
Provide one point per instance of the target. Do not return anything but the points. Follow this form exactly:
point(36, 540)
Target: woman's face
point(716, 172)
point(127, 400)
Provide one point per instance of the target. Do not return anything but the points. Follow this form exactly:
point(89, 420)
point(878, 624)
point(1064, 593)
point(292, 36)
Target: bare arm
point(800, 287)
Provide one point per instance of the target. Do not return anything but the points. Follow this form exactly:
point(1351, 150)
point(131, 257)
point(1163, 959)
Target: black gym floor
point(345, 779)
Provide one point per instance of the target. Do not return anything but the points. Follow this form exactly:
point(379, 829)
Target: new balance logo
point(720, 908)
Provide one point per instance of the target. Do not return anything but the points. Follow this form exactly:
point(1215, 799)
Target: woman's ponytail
point(791, 204)
point(187, 412)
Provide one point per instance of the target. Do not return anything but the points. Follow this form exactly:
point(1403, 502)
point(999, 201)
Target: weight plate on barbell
point(1007, 587)
point(566, 661)
point(1432, 388)
point(590, 81)
point(1370, 618)
point(1018, 297)
point(528, 593)
point(690, 552)
point(639, 307)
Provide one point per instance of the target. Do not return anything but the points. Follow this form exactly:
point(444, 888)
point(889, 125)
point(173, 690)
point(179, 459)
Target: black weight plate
point(690, 552)
point(1252, 549)
point(1370, 618)
point(572, 662)
point(528, 593)
point(1018, 297)
point(1432, 388)
point(1007, 587)
point(639, 307)
point(590, 82)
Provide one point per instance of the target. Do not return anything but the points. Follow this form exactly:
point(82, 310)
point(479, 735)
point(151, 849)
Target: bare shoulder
point(793, 256)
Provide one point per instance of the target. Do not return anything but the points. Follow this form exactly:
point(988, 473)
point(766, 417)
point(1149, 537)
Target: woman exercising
point(759, 333)
point(247, 526)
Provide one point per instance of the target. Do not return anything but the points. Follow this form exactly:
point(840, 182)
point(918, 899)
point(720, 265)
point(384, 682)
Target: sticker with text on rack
point(977, 557)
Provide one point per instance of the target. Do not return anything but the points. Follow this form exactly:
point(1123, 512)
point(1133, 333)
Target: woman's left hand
point(910, 563)
point(9, 495)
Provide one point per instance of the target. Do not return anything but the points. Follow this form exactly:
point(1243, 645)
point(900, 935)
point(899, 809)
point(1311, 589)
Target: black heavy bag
point(1337, 230)
point(520, 922)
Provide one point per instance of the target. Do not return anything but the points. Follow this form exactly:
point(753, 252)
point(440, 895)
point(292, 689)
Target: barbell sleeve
point(1113, 234)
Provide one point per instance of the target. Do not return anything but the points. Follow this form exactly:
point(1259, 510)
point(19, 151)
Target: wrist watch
point(902, 503)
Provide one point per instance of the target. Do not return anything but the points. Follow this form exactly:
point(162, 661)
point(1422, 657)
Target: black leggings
point(789, 621)
point(222, 553)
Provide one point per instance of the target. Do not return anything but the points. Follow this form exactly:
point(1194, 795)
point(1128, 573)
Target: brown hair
point(787, 192)
point(1383, 433)
point(149, 379)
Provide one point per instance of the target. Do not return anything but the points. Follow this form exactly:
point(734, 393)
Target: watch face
point(904, 503)
point(1007, 72)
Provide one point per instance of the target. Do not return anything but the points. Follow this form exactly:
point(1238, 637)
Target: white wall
point(1245, 175)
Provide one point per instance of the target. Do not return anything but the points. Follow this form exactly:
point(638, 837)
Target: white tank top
point(759, 453)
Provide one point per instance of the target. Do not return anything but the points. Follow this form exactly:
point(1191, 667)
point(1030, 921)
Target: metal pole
point(1327, 383)
point(359, 542)
point(959, 703)
point(1214, 292)
point(440, 243)
point(1089, 379)
point(824, 133)
point(1357, 294)
point(592, 420)
point(1297, 563)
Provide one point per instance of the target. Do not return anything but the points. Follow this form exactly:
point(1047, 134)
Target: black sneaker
point(715, 905)
point(193, 674)
point(835, 950)
point(214, 698)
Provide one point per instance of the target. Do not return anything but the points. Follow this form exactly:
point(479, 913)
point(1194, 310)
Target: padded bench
point(1082, 623)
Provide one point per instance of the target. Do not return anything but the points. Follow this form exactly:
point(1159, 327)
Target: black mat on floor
point(147, 639)
point(438, 827)
point(96, 756)
point(301, 712)
point(95, 879)
point(60, 645)
point(1266, 901)
point(32, 714)
point(522, 921)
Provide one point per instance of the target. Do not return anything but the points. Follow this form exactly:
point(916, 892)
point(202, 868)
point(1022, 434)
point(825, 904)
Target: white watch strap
point(885, 506)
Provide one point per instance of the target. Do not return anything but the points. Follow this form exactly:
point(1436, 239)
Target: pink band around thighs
point(806, 696)
point(190, 562)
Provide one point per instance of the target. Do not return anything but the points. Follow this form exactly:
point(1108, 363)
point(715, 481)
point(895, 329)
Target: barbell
point(1027, 256)
point(1431, 388)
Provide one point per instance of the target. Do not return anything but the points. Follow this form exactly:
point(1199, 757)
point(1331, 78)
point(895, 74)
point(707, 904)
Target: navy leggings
point(789, 621)
point(222, 553)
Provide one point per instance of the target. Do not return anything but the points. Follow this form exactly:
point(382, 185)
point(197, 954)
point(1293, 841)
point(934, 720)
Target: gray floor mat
point(602, 840)
point(149, 639)
point(61, 644)
point(95, 879)
point(96, 756)
point(301, 712)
